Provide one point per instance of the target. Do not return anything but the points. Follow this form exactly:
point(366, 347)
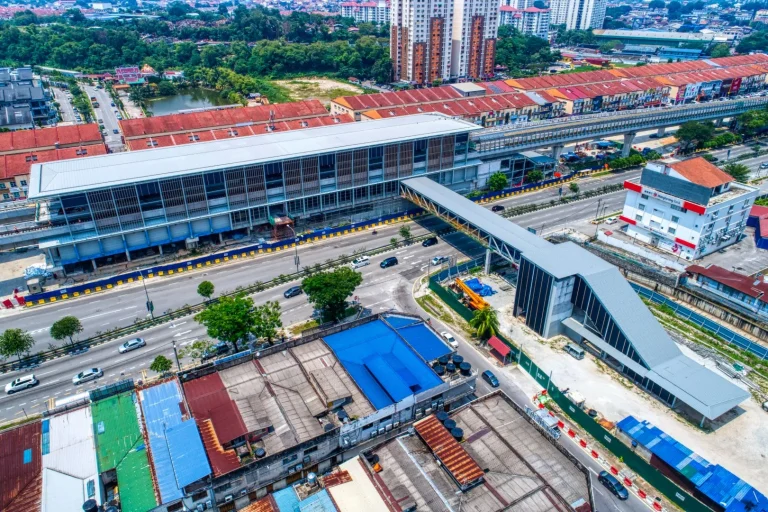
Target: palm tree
point(485, 322)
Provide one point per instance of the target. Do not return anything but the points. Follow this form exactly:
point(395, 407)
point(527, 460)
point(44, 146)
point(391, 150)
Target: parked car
point(115, 131)
point(429, 242)
point(490, 378)
point(612, 484)
point(132, 345)
point(611, 220)
point(497, 208)
point(27, 381)
point(216, 350)
point(764, 165)
point(86, 375)
point(293, 291)
point(112, 103)
point(450, 339)
point(437, 260)
point(388, 262)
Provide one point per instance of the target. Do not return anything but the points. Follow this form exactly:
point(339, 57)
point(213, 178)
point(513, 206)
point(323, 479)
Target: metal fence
point(111, 390)
point(700, 320)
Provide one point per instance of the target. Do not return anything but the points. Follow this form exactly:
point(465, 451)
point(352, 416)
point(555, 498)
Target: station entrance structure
point(565, 289)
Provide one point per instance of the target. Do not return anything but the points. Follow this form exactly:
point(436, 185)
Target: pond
point(186, 99)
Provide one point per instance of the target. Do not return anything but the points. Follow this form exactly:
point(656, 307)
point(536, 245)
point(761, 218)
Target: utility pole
point(295, 248)
point(597, 215)
point(176, 354)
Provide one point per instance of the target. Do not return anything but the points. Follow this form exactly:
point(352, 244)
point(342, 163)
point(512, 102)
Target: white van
point(574, 350)
point(361, 261)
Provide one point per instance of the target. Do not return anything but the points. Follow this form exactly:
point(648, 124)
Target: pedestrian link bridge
point(565, 289)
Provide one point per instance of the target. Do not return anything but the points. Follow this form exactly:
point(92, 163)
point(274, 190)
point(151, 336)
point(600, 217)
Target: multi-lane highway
point(105, 115)
point(121, 306)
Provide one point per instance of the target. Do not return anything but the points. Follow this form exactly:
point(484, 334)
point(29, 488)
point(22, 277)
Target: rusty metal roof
point(21, 478)
point(454, 457)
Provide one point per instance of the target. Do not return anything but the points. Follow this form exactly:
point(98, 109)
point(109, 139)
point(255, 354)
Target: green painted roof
point(120, 445)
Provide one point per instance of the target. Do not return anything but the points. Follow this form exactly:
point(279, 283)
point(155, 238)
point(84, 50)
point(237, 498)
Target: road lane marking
point(100, 314)
point(182, 333)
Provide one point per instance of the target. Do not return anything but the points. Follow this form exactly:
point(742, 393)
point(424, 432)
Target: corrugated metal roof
point(453, 456)
point(18, 164)
point(48, 137)
point(69, 461)
point(135, 166)
point(20, 468)
point(161, 406)
point(187, 453)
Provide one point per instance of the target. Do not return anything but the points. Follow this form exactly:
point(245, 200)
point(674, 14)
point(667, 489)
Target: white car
point(27, 381)
point(611, 220)
point(437, 260)
point(86, 375)
point(450, 339)
point(131, 345)
point(362, 261)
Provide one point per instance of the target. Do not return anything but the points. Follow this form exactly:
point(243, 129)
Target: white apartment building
point(689, 208)
point(367, 12)
point(528, 20)
point(420, 40)
point(578, 14)
point(475, 28)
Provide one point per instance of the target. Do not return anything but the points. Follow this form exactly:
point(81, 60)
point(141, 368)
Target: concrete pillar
point(629, 138)
point(127, 254)
point(557, 151)
point(93, 262)
point(720, 122)
point(160, 248)
point(660, 132)
point(221, 238)
point(488, 261)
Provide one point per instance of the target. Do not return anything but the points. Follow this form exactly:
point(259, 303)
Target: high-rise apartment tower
point(578, 14)
point(475, 27)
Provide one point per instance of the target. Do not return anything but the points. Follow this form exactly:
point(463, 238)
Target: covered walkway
point(565, 289)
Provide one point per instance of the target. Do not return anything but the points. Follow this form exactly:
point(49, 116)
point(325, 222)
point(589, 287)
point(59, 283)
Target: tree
point(15, 342)
point(267, 320)
point(573, 187)
point(196, 350)
point(328, 291)
point(405, 232)
point(485, 322)
point(534, 176)
point(740, 172)
point(66, 328)
point(609, 46)
point(161, 364)
point(692, 133)
point(166, 88)
point(223, 10)
point(657, 4)
point(497, 181)
point(393, 241)
point(205, 290)
point(757, 40)
point(231, 319)
point(752, 122)
point(720, 50)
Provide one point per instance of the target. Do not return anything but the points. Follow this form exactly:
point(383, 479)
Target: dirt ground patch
point(12, 265)
point(322, 89)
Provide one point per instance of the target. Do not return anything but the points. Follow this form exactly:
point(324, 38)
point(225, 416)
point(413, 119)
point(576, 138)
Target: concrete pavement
point(66, 110)
point(105, 114)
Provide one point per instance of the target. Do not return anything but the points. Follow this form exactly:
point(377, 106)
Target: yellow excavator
point(472, 299)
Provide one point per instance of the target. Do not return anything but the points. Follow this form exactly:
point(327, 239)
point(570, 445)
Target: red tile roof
point(18, 164)
point(740, 282)
point(83, 134)
point(191, 137)
point(699, 171)
point(464, 107)
point(21, 483)
point(194, 121)
point(452, 455)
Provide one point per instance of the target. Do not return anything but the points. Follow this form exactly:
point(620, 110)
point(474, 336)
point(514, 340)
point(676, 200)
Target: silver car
point(27, 381)
point(132, 345)
point(86, 375)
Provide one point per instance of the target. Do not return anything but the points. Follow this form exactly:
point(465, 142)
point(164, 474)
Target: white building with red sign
point(689, 208)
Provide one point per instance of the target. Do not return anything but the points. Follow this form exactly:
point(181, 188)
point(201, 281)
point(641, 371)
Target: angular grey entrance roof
point(700, 388)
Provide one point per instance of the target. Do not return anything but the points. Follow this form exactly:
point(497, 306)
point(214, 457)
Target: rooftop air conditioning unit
point(243, 492)
point(396, 424)
point(228, 498)
point(374, 433)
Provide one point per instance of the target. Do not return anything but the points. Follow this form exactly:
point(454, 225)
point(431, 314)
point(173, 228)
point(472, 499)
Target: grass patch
point(304, 326)
point(601, 174)
point(322, 89)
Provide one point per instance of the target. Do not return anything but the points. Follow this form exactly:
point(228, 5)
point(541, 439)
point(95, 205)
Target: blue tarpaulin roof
point(424, 341)
point(384, 367)
point(162, 414)
point(712, 480)
point(190, 463)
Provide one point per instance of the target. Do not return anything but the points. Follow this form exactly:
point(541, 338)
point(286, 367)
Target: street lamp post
point(150, 305)
point(295, 248)
point(176, 354)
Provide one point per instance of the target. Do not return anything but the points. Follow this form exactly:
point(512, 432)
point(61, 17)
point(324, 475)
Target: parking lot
point(66, 109)
point(106, 116)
